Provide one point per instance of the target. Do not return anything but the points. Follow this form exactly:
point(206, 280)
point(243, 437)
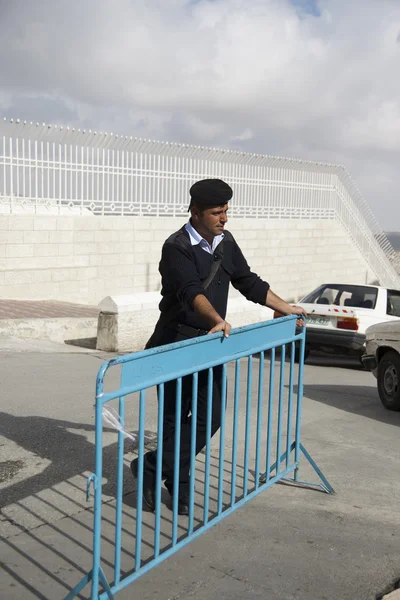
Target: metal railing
point(259, 442)
point(54, 169)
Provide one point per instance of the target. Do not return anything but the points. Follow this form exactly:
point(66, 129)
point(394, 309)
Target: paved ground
point(288, 543)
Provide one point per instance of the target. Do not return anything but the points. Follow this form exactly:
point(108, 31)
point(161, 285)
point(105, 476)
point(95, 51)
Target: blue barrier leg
point(325, 485)
point(87, 579)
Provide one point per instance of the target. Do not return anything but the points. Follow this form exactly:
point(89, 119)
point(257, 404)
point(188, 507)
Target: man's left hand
point(298, 310)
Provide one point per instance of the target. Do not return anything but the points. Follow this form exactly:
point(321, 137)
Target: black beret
point(211, 192)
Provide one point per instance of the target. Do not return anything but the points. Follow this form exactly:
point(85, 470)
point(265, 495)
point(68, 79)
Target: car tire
point(297, 354)
point(389, 380)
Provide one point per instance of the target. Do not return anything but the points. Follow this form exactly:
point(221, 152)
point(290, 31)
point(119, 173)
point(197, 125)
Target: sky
point(309, 79)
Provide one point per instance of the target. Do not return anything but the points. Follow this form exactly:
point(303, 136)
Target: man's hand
point(298, 310)
point(222, 326)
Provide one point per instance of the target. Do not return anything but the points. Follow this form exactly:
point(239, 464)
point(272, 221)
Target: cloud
point(310, 79)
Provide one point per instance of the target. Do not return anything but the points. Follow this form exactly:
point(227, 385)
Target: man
point(198, 263)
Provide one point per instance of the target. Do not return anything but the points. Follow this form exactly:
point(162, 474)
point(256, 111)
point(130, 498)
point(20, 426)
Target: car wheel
point(389, 381)
point(297, 354)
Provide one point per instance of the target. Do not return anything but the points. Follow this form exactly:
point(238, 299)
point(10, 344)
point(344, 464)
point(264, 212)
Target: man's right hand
point(222, 326)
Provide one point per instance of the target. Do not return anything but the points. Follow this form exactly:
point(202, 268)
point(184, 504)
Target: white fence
point(56, 169)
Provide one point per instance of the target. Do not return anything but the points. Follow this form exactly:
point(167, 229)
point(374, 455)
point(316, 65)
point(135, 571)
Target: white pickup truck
point(340, 313)
point(382, 357)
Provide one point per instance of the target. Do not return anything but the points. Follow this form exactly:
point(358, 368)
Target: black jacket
point(183, 267)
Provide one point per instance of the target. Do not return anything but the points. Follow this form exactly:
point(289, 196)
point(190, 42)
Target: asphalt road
point(287, 543)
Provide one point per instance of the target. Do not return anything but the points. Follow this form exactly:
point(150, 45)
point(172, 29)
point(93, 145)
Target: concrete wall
point(84, 259)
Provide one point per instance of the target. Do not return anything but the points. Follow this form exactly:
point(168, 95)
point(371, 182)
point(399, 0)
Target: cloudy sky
point(311, 79)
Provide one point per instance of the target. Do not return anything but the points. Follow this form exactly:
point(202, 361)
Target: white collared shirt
point(195, 238)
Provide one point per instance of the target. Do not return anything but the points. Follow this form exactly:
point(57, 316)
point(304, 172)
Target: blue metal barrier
point(270, 442)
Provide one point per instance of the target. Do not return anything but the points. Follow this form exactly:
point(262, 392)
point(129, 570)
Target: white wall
point(84, 259)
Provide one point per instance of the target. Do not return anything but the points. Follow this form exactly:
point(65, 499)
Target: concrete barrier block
point(127, 321)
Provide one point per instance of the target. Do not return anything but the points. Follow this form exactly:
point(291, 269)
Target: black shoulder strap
point(175, 310)
point(215, 266)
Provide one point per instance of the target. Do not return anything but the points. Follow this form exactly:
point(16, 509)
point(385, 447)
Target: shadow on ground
point(359, 400)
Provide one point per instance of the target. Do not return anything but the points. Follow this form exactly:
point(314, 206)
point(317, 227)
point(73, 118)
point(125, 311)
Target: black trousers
point(170, 404)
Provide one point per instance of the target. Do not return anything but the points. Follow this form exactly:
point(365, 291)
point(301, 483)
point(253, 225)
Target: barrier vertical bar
point(120, 483)
point(177, 446)
point(290, 404)
point(195, 384)
point(235, 430)
point(222, 440)
point(160, 432)
point(98, 490)
point(247, 425)
point(259, 415)
point(280, 409)
point(210, 385)
point(270, 414)
point(299, 402)
point(139, 508)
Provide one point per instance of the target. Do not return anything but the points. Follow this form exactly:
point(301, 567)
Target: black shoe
point(183, 503)
point(149, 483)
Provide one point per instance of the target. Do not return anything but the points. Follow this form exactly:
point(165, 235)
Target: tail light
point(348, 323)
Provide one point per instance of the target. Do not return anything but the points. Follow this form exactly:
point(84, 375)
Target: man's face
point(210, 222)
